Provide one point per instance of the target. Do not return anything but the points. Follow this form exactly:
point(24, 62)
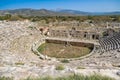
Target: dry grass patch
point(62, 51)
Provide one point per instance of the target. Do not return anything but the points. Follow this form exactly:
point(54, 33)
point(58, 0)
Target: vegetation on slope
point(6, 78)
point(74, 77)
point(71, 77)
point(48, 19)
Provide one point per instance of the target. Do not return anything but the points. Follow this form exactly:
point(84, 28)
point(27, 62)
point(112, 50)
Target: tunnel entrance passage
point(65, 49)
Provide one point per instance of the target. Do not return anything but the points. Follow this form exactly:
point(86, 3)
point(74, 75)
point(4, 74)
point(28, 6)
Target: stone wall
point(113, 25)
point(81, 44)
point(74, 34)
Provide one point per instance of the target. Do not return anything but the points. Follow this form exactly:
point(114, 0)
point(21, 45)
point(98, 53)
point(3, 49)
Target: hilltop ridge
point(61, 12)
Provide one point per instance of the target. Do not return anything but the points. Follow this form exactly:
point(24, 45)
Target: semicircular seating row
point(110, 43)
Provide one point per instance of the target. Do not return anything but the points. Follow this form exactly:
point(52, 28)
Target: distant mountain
point(34, 12)
point(87, 13)
point(59, 12)
point(112, 13)
point(73, 12)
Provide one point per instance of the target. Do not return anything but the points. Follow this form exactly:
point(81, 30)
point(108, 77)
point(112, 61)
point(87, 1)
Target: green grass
point(19, 63)
point(71, 77)
point(74, 77)
point(41, 47)
point(6, 78)
point(40, 78)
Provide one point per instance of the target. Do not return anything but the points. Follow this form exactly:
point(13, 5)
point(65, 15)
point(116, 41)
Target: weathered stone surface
point(18, 61)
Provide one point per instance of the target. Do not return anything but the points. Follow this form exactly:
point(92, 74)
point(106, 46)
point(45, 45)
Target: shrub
point(19, 63)
point(80, 67)
point(60, 67)
point(31, 27)
point(65, 61)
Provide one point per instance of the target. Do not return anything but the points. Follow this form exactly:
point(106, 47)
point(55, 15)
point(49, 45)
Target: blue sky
point(82, 5)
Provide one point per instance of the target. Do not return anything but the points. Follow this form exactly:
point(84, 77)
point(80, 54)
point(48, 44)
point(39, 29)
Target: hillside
point(45, 12)
point(33, 12)
point(87, 13)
